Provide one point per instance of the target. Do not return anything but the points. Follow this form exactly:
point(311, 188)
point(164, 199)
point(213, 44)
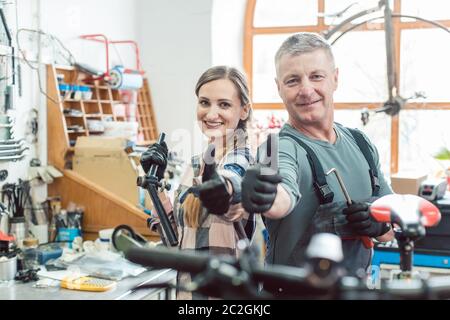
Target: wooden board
point(102, 208)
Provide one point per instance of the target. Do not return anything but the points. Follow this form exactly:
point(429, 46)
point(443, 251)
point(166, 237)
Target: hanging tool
point(12, 150)
point(368, 243)
point(10, 50)
point(17, 196)
point(3, 175)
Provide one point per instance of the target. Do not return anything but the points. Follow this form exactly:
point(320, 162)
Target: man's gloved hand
point(213, 191)
point(155, 155)
point(259, 189)
point(358, 217)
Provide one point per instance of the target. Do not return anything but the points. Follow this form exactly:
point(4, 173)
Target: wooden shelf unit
point(61, 138)
point(103, 208)
point(145, 114)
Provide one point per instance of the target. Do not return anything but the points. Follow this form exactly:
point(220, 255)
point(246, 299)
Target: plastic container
point(64, 90)
point(8, 268)
point(48, 252)
point(30, 253)
point(18, 229)
point(104, 240)
point(86, 93)
point(76, 92)
point(67, 234)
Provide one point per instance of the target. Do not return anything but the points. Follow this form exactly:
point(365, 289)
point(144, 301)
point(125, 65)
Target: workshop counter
point(16, 290)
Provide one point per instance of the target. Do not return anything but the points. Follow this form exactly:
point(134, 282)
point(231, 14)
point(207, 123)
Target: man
point(301, 199)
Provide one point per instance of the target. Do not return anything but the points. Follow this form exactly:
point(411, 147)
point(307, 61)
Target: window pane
point(269, 119)
point(263, 123)
point(264, 49)
point(361, 59)
point(422, 135)
point(430, 9)
point(424, 64)
point(282, 13)
point(378, 129)
point(335, 14)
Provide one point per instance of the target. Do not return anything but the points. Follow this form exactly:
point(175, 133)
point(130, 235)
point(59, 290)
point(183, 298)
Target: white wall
point(175, 38)
point(66, 20)
point(178, 39)
point(22, 104)
point(227, 32)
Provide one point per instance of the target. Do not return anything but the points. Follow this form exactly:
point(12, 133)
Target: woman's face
point(219, 108)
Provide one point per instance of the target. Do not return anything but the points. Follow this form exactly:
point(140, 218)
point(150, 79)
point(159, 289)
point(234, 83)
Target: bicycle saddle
point(411, 213)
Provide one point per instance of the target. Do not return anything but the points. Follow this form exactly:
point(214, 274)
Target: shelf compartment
point(92, 108)
point(93, 115)
point(76, 132)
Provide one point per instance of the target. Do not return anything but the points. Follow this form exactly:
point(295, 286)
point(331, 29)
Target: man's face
point(306, 84)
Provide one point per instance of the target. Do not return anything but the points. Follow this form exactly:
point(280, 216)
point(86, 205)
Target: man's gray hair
point(303, 42)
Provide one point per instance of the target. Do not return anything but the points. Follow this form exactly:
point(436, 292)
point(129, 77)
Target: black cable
point(71, 58)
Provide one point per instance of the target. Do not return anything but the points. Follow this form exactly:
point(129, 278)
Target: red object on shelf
point(102, 38)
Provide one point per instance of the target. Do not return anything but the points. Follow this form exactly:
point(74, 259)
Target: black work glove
point(213, 190)
point(360, 220)
point(259, 190)
point(155, 155)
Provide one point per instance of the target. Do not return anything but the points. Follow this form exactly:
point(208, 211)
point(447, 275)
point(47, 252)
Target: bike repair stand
point(406, 249)
point(151, 184)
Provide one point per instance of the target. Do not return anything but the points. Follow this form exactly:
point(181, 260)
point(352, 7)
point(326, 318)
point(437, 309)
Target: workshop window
point(350, 6)
point(425, 64)
point(421, 64)
point(361, 61)
point(283, 13)
point(422, 134)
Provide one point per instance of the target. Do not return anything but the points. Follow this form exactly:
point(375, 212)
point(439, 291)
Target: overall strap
point(364, 147)
point(320, 182)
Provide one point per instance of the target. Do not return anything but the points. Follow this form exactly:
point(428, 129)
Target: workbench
point(16, 290)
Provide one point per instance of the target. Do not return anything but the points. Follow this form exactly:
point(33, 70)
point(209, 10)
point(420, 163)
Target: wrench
point(368, 243)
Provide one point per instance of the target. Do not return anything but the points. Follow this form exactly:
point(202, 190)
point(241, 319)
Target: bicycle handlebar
point(297, 282)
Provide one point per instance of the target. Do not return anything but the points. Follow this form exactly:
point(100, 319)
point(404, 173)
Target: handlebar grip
point(161, 258)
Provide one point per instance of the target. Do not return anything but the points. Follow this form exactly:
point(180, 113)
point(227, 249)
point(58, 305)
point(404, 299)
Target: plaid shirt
point(215, 234)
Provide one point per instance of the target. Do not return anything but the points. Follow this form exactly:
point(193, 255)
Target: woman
point(207, 210)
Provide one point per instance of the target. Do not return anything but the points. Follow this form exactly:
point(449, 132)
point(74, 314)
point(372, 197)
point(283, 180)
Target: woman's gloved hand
point(155, 155)
point(360, 220)
point(213, 191)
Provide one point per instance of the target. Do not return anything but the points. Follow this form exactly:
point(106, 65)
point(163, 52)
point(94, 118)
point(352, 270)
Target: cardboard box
point(104, 161)
point(407, 182)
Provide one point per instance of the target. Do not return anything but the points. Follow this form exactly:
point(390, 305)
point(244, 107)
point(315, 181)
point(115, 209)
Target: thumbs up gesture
point(213, 190)
point(259, 185)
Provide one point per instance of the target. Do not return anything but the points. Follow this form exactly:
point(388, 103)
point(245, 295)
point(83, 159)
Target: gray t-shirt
point(345, 156)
